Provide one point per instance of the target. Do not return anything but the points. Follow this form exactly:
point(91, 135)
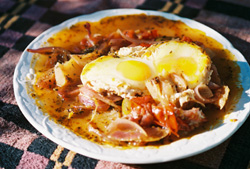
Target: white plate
point(176, 150)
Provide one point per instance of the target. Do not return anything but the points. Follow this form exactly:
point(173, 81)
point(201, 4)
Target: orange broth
point(50, 103)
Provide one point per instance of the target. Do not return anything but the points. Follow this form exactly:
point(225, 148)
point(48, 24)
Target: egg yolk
point(134, 70)
point(187, 65)
point(183, 65)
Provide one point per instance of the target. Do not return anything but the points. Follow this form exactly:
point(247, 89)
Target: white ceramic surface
point(176, 150)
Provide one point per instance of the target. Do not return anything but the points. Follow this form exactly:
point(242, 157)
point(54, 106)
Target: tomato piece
point(142, 100)
point(154, 33)
point(159, 115)
point(172, 123)
point(146, 35)
point(166, 118)
point(84, 44)
point(130, 33)
point(145, 45)
point(162, 115)
point(186, 39)
point(182, 125)
point(149, 35)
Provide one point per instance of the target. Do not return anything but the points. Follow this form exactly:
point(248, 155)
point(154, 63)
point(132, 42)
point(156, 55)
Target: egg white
point(185, 59)
point(102, 74)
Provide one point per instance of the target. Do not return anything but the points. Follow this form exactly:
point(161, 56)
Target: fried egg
point(126, 75)
point(187, 60)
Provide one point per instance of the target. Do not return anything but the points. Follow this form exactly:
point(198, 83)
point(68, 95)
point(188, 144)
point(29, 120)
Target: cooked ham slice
point(125, 130)
point(193, 117)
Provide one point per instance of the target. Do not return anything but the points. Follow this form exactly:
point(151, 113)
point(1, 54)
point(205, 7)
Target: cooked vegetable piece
point(83, 59)
point(46, 79)
point(67, 73)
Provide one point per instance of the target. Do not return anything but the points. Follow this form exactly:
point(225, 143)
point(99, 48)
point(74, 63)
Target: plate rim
point(98, 155)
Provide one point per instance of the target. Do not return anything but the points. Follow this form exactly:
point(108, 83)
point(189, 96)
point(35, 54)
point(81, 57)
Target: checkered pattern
point(22, 146)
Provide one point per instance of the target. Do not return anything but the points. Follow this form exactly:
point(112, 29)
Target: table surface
point(22, 146)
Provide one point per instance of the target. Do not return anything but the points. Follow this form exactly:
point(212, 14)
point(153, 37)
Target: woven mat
point(22, 146)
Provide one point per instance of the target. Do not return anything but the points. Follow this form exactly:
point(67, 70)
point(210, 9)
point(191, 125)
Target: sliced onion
point(125, 130)
point(68, 92)
point(187, 99)
point(90, 40)
point(85, 90)
point(45, 50)
point(179, 81)
point(206, 96)
point(155, 134)
point(50, 50)
point(114, 98)
point(92, 104)
point(223, 94)
point(117, 42)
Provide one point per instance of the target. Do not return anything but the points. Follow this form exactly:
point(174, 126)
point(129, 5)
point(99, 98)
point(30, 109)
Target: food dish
point(146, 84)
point(182, 148)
